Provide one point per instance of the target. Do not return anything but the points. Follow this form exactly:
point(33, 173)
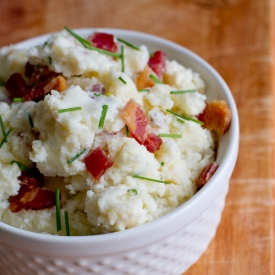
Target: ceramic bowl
point(168, 245)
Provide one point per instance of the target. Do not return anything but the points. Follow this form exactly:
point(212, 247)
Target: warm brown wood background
point(234, 36)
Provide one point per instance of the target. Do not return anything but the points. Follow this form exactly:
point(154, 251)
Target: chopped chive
point(103, 116)
point(21, 166)
point(45, 43)
point(133, 191)
point(128, 44)
point(182, 92)
point(127, 131)
point(3, 129)
point(18, 99)
point(96, 94)
point(50, 60)
point(180, 120)
point(143, 90)
point(87, 44)
point(122, 80)
point(57, 210)
point(156, 80)
point(76, 156)
point(30, 120)
point(143, 178)
point(122, 59)
point(162, 163)
point(170, 135)
point(185, 117)
point(3, 141)
point(66, 216)
point(69, 109)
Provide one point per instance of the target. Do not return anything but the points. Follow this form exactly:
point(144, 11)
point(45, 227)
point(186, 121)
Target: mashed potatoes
point(139, 185)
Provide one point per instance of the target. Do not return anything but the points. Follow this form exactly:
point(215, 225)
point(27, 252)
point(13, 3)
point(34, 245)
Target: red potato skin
point(97, 162)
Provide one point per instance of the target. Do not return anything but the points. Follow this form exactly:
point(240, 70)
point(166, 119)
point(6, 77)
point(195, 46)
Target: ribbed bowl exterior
point(172, 255)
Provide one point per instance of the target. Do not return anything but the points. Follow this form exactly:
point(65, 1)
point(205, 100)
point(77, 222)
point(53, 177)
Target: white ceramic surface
point(168, 245)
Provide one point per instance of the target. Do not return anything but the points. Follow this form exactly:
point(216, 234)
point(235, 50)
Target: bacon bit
point(157, 63)
point(98, 88)
point(31, 179)
point(206, 174)
point(16, 85)
point(216, 116)
point(135, 119)
point(103, 41)
point(152, 142)
point(34, 198)
point(38, 92)
point(143, 80)
point(31, 195)
point(97, 162)
point(38, 73)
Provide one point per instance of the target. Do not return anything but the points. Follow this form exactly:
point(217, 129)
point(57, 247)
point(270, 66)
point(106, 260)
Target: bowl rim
point(228, 160)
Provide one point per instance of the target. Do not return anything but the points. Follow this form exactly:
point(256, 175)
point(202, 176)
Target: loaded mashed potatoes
point(103, 131)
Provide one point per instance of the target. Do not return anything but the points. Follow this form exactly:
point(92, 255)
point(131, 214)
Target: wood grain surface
point(236, 38)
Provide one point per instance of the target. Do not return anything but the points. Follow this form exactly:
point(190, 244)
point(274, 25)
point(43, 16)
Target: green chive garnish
point(133, 191)
point(76, 156)
point(143, 178)
point(182, 92)
point(50, 60)
point(156, 80)
point(57, 210)
point(103, 116)
point(21, 166)
point(2, 83)
point(87, 44)
point(18, 99)
point(3, 129)
point(69, 109)
point(122, 80)
point(170, 135)
point(162, 163)
point(3, 141)
point(127, 131)
point(122, 59)
point(96, 94)
point(66, 216)
point(143, 90)
point(30, 120)
point(128, 44)
point(185, 117)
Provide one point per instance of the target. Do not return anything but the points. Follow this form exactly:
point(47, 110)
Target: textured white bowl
point(168, 245)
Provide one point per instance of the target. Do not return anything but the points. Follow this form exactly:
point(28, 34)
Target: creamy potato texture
point(116, 200)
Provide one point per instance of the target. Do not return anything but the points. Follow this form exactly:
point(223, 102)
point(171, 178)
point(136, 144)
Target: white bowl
point(167, 245)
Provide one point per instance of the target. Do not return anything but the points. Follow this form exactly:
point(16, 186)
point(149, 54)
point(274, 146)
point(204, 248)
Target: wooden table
point(235, 37)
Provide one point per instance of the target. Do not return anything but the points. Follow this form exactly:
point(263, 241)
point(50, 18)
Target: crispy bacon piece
point(135, 119)
point(206, 174)
point(38, 92)
point(157, 63)
point(152, 142)
point(38, 73)
point(16, 85)
point(34, 198)
point(97, 162)
point(143, 80)
point(103, 41)
point(216, 116)
point(31, 195)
